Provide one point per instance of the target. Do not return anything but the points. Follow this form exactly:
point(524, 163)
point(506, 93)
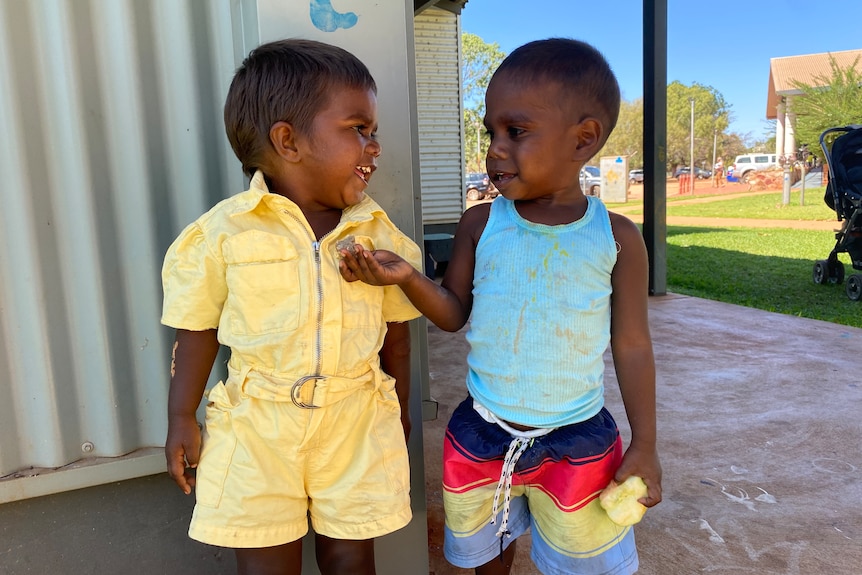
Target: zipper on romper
point(318, 345)
point(318, 331)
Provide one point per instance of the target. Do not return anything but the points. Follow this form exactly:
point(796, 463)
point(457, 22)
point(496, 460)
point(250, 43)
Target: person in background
point(718, 174)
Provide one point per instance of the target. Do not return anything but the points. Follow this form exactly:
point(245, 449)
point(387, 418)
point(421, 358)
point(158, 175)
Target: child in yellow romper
point(312, 419)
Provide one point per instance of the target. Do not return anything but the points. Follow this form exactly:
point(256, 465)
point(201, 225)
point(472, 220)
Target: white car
point(745, 164)
point(591, 180)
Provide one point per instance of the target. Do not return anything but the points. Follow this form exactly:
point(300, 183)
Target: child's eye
point(514, 132)
point(366, 132)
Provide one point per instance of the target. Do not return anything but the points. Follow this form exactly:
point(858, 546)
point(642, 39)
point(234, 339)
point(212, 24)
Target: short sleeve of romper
point(193, 280)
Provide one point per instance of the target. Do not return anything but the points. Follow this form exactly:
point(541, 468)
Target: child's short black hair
point(285, 81)
point(577, 66)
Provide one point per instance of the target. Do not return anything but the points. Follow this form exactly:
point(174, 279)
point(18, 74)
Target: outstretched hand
point(377, 268)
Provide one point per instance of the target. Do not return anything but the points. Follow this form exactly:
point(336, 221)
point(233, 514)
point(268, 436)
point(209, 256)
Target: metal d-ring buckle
point(296, 391)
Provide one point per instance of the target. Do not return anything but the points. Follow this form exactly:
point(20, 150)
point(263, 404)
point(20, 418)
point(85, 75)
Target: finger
point(193, 454)
point(190, 479)
point(356, 264)
point(346, 272)
point(373, 267)
point(653, 496)
point(177, 471)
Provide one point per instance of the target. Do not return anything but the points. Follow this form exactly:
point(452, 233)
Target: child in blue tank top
point(551, 278)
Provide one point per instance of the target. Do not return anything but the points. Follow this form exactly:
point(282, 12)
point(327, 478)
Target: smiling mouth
point(364, 172)
point(500, 178)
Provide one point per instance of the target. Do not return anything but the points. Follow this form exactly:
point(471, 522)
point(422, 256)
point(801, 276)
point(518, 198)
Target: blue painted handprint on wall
point(324, 16)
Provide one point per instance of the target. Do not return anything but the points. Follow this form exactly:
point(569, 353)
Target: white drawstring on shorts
point(518, 446)
point(521, 442)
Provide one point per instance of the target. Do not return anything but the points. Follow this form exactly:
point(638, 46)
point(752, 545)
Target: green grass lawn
point(769, 269)
point(763, 207)
point(769, 206)
point(763, 268)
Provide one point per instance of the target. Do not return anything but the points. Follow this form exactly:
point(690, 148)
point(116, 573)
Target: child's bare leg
point(496, 566)
point(279, 560)
point(344, 556)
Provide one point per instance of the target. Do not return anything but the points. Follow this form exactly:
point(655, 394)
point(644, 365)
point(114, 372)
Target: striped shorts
point(554, 486)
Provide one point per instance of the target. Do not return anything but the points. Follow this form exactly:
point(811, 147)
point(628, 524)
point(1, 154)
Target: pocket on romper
point(390, 435)
point(363, 303)
point(262, 274)
point(219, 444)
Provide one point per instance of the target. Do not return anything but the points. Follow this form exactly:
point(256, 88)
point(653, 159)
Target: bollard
point(786, 197)
point(802, 186)
point(684, 180)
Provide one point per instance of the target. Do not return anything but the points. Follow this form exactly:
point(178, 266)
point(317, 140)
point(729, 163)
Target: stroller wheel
point(824, 272)
point(821, 272)
point(854, 287)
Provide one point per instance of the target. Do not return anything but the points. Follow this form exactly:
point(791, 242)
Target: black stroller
point(844, 195)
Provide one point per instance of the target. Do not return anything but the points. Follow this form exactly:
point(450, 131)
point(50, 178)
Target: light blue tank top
point(541, 316)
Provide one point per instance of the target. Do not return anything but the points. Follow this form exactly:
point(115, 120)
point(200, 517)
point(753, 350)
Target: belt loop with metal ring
point(296, 391)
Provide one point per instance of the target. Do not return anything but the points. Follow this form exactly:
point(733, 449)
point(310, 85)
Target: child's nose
point(374, 148)
point(495, 150)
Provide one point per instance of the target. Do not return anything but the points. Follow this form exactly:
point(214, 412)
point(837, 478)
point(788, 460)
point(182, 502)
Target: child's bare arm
point(447, 305)
point(631, 346)
point(395, 360)
point(192, 361)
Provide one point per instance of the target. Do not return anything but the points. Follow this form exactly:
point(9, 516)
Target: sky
point(726, 45)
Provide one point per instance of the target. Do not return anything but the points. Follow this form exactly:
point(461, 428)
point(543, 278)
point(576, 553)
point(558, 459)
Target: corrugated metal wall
point(111, 141)
point(438, 84)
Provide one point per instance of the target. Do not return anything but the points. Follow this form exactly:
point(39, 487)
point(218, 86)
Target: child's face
point(340, 153)
point(534, 140)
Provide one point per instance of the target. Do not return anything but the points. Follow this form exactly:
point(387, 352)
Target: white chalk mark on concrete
point(765, 497)
point(713, 535)
point(832, 465)
point(742, 498)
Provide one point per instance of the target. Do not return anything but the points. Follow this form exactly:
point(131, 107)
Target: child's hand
point(645, 464)
point(377, 268)
point(182, 450)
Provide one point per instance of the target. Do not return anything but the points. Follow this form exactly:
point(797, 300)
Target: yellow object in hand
point(620, 500)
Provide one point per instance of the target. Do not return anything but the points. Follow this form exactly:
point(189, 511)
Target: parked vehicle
point(745, 164)
point(479, 187)
point(699, 173)
point(636, 176)
point(591, 180)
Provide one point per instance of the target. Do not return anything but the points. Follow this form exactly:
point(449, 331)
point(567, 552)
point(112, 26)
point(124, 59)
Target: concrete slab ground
point(760, 429)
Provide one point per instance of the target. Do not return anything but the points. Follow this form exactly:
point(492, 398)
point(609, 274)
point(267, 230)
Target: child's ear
point(588, 134)
point(283, 137)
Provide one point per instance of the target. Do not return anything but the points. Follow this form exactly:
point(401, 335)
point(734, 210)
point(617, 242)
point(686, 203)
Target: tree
point(831, 101)
point(732, 145)
point(711, 118)
point(478, 62)
point(627, 137)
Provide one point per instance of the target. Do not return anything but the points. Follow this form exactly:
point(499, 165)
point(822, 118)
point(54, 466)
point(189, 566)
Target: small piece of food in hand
point(620, 500)
point(348, 244)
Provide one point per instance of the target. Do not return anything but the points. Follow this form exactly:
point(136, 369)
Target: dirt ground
point(759, 434)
